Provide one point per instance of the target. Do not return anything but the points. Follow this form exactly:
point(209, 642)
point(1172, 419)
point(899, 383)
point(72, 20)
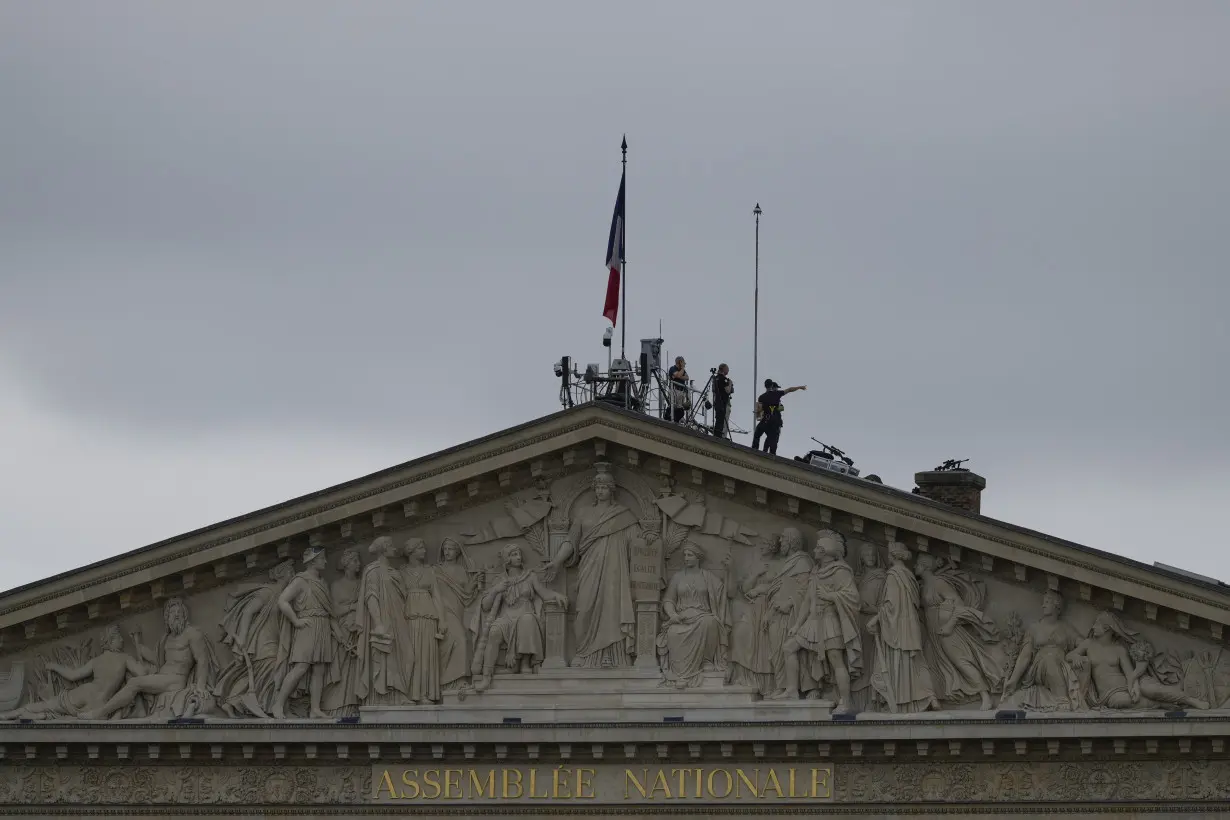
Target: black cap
point(769, 384)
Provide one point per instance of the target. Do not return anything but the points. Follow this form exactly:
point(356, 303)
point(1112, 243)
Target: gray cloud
point(991, 230)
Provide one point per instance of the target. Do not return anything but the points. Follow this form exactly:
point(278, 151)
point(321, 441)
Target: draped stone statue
point(1042, 671)
point(900, 676)
point(786, 599)
point(384, 641)
point(511, 619)
point(459, 584)
point(695, 638)
point(251, 627)
point(1115, 670)
point(964, 657)
point(106, 672)
point(178, 675)
point(308, 644)
point(825, 631)
point(340, 698)
point(870, 589)
point(424, 615)
point(750, 662)
point(599, 543)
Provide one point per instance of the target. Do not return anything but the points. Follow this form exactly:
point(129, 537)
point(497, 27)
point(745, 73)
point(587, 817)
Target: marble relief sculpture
point(251, 627)
point(963, 638)
point(458, 585)
point(824, 644)
point(424, 616)
point(695, 637)
point(308, 644)
point(1115, 670)
point(886, 629)
point(900, 675)
point(751, 662)
point(872, 574)
point(384, 640)
point(786, 601)
point(106, 673)
point(339, 698)
point(1043, 673)
point(178, 675)
point(512, 621)
point(599, 544)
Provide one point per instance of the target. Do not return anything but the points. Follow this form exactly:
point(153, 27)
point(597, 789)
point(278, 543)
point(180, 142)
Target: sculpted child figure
point(107, 672)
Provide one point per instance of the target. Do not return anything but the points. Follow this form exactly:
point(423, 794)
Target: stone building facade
point(599, 614)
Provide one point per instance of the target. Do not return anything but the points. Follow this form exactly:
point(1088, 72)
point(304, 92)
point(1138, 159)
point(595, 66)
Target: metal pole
point(623, 264)
point(756, 317)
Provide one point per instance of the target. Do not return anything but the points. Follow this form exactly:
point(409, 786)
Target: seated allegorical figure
point(1042, 672)
point(181, 680)
point(107, 672)
point(695, 637)
point(510, 615)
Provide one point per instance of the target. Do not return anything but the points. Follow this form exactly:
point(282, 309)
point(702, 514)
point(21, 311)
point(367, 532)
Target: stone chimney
point(956, 487)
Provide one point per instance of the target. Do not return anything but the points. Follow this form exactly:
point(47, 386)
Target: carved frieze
point(990, 783)
point(610, 569)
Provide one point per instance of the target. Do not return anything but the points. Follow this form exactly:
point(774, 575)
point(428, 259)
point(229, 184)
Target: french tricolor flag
point(614, 255)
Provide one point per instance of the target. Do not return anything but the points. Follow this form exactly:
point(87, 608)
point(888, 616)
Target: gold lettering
point(730, 784)
point(534, 795)
point(820, 781)
point(772, 782)
point(559, 778)
point(629, 776)
point(410, 779)
point(509, 783)
point(753, 786)
point(699, 783)
point(452, 784)
point(659, 782)
point(680, 774)
point(386, 782)
point(480, 788)
point(792, 792)
point(584, 783)
point(431, 779)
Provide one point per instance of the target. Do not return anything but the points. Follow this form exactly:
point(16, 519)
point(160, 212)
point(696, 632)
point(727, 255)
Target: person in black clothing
point(681, 397)
point(769, 415)
point(723, 387)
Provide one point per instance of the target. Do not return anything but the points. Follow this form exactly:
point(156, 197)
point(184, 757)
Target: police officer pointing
point(769, 415)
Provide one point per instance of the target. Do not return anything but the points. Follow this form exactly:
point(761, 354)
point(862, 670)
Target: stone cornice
point(1037, 728)
point(571, 428)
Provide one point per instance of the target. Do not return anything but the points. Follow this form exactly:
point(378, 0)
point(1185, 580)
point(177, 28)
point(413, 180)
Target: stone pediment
point(690, 632)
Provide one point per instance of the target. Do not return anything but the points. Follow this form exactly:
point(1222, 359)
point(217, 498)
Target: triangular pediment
point(485, 492)
point(494, 466)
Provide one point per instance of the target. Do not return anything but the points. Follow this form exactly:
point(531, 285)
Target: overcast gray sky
point(250, 250)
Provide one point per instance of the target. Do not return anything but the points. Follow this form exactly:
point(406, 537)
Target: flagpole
point(623, 263)
point(756, 316)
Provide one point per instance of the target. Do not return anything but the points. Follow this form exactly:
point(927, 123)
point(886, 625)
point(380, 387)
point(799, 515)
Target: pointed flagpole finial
point(623, 146)
point(757, 210)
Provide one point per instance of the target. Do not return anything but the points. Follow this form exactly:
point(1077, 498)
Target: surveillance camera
point(607, 336)
point(559, 369)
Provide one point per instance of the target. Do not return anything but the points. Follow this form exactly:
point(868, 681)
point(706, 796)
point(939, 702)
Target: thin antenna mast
point(756, 316)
